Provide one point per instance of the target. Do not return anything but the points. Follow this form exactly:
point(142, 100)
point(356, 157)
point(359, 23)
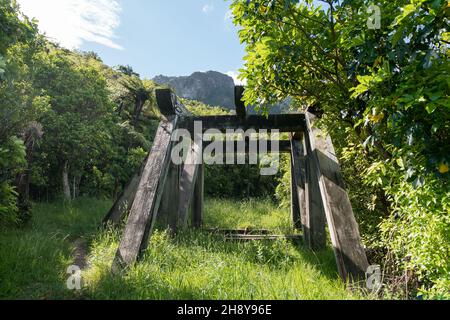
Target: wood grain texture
point(349, 252)
point(281, 122)
point(298, 195)
point(188, 180)
point(168, 217)
point(147, 200)
point(315, 231)
point(243, 146)
point(123, 204)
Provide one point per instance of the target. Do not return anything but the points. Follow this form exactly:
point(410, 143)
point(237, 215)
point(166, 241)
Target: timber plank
point(283, 122)
point(243, 237)
point(298, 195)
point(147, 200)
point(315, 231)
point(284, 146)
point(350, 255)
point(123, 204)
point(125, 200)
point(168, 103)
point(168, 213)
point(188, 180)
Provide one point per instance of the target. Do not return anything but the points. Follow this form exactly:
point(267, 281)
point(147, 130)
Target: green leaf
point(431, 107)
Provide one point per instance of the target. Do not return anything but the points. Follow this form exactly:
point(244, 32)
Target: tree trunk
point(66, 184)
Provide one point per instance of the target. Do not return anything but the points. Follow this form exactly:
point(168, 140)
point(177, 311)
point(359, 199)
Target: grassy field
point(191, 265)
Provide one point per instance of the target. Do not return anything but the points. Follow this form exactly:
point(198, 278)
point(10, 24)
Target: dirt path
point(80, 253)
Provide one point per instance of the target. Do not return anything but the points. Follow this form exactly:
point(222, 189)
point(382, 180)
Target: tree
point(127, 70)
point(18, 42)
point(383, 92)
point(331, 60)
point(75, 124)
point(139, 93)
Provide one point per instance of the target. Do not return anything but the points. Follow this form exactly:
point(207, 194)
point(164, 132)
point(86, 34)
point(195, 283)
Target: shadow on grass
point(270, 253)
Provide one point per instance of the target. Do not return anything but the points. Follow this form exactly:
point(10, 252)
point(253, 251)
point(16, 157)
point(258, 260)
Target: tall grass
point(34, 259)
point(190, 265)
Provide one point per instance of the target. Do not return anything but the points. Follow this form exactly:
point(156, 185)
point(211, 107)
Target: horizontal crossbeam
point(249, 237)
point(261, 146)
point(282, 122)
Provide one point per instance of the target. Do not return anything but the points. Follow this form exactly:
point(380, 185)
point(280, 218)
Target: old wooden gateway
point(319, 197)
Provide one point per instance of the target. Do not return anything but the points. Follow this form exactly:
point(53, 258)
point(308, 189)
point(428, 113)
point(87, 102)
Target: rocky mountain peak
point(212, 87)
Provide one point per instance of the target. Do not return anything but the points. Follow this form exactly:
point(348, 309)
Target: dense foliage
point(70, 125)
point(380, 77)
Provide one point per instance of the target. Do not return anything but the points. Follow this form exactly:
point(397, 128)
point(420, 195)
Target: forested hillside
point(72, 126)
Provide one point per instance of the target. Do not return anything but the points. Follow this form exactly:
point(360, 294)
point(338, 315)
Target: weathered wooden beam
point(187, 182)
point(315, 220)
point(197, 203)
point(168, 103)
point(298, 199)
point(281, 122)
point(241, 111)
point(123, 204)
point(350, 255)
point(240, 231)
point(249, 237)
point(147, 200)
point(168, 214)
point(284, 146)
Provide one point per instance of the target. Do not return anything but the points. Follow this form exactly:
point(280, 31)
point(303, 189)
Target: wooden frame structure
point(173, 191)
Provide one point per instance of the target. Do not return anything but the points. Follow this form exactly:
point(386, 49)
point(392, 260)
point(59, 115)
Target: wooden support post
point(188, 180)
point(168, 103)
point(314, 229)
point(197, 203)
point(123, 204)
point(168, 214)
point(350, 255)
point(298, 197)
point(295, 204)
point(147, 200)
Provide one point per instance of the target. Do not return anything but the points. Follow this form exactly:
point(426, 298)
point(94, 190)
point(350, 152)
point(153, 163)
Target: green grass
point(34, 259)
point(191, 265)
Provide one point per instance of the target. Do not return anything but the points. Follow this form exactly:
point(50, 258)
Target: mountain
point(213, 88)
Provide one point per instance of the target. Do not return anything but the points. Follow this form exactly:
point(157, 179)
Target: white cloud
point(207, 8)
point(235, 75)
point(71, 22)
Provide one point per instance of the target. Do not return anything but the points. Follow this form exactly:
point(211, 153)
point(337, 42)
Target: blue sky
point(170, 37)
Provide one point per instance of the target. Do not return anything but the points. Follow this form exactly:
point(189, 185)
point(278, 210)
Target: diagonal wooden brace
point(147, 200)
